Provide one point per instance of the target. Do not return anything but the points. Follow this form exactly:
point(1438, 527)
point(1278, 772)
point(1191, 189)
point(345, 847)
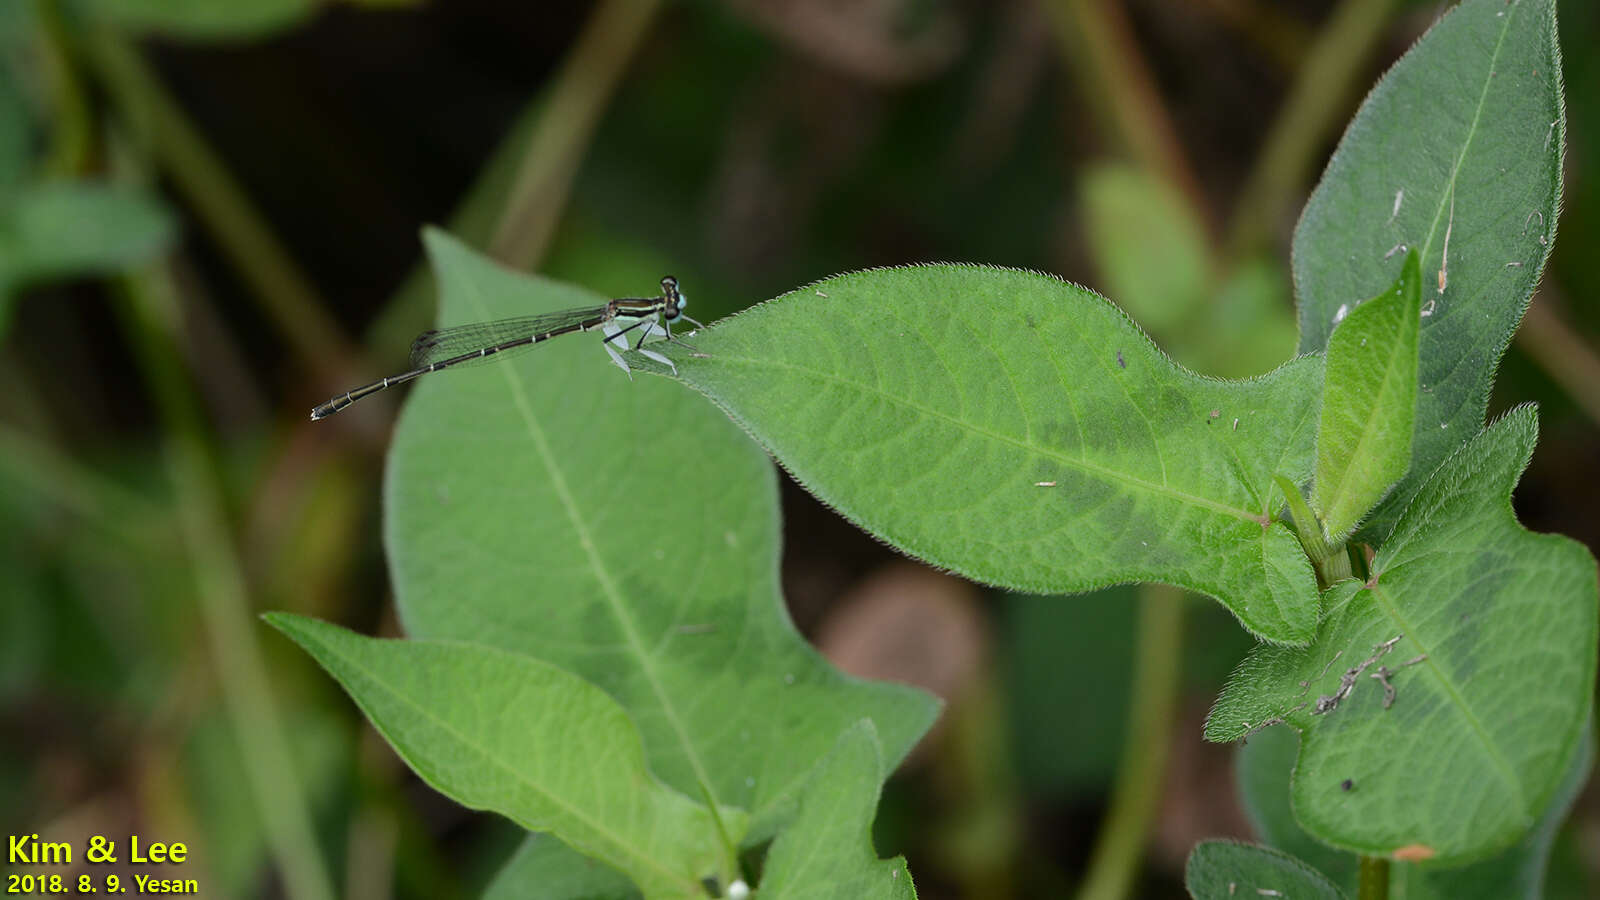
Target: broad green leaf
point(1266, 764)
point(64, 229)
point(546, 869)
point(1225, 870)
point(1369, 401)
point(1459, 144)
point(503, 732)
point(1485, 632)
point(627, 532)
point(827, 853)
point(1516, 874)
point(1131, 220)
point(1023, 432)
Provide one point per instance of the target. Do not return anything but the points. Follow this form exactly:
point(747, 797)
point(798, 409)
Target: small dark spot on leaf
point(1346, 784)
point(1122, 363)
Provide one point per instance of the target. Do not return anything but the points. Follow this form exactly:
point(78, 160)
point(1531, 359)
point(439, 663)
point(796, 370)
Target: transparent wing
point(447, 343)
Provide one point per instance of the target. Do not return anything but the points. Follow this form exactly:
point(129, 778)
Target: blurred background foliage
point(209, 219)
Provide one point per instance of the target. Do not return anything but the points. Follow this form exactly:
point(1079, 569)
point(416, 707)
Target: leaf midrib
point(608, 585)
point(427, 714)
point(1083, 465)
point(1506, 770)
point(1346, 483)
point(1472, 131)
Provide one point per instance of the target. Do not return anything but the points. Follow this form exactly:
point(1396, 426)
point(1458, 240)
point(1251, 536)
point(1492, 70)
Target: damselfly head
point(675, 298)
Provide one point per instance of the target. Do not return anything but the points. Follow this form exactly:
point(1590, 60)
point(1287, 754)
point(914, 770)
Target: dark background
point(748, 147)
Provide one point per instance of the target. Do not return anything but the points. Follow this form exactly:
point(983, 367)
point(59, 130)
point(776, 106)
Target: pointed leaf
point(1225, 870)
point(828, 851)
point(1459, 145)
point(625, 531)
point(1369, 402)
point(1023, 432)
point(1487, 635)
point(503, 732)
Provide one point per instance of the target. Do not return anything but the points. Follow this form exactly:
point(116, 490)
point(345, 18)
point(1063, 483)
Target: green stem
point(287, 297)
point(73, 131)
point(1562, 353)
point(34, 465)
point(1331, 561)
point(1114, 862)
point(151, 319)
point(1096, 40)
point(521, 193)
point(1315, 105)
point(1373, 881)
point(572, 109)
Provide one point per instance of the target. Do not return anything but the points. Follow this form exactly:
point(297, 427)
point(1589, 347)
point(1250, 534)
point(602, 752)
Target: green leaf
point(65, 229)
point(546, 869)
point(627, 532)
point(1023, 432)
point(502, 732)
point(1263, 767)
point(1130, 219)
point(1487, 635)
point(1369, 404)
point(1516, 874)
point(1224, 870)
point(828, 851)
point(1461, 140)
point(1266, 764)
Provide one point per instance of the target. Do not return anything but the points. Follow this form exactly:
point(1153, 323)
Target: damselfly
point(464, 344)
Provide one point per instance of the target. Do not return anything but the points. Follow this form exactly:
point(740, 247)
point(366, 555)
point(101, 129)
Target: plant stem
point(1373, 883)
point(534, 164)
point(1315, 105)
point(159, 125)
point(1152, 708)
point(1563, 355)
point(151, 319)
point(71, 137)
point(1095, 38)
point(572, 109)
point(87, 493)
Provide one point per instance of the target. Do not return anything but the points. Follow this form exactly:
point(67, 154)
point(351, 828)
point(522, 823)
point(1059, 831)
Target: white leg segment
point(612, 331)
point(651, 354)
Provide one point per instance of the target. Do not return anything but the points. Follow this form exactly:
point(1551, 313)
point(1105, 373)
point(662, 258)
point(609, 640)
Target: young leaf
point(1023, 432)
point(1456, 153)
point(1225, 870)
point(627, 532)
point(1369, 399)
point(827, 852)
point(503, 732)
point(1450, 691)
